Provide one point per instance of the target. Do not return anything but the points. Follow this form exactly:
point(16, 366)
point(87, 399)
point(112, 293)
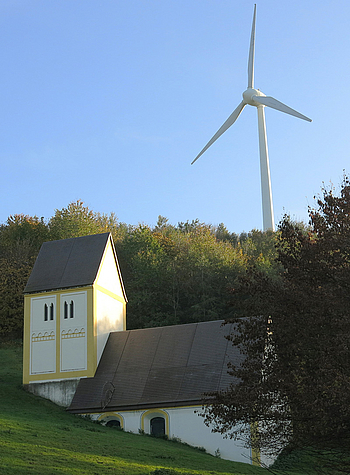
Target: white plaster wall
point(108, 277)
point(73, 338)
point(131, 419)
point(109, 318)
point(188, 426)
point(42, 336)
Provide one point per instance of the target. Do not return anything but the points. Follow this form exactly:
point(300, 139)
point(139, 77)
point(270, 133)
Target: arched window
point(71, 309)
point(112, 420)
point(46, 313)
point(157, 426)
point(65, 313)
point(51, 311)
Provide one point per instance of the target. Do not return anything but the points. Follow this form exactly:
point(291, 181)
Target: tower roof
point(67, 263)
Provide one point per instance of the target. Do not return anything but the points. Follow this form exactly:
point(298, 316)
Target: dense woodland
point(172, 274)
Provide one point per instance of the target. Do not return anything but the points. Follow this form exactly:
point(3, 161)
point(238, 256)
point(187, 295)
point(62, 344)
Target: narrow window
point(46, 313)
point(65, 315)
point(71, 309)
point(158, 426)
point(51, 311)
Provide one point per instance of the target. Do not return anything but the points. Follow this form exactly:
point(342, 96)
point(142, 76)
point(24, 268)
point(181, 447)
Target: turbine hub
point(248, 95)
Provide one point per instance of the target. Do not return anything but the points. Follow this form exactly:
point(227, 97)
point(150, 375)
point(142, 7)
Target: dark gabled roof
point(67, 263)
point(158, 367)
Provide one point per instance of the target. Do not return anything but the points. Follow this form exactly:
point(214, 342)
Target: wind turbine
point(254, 97)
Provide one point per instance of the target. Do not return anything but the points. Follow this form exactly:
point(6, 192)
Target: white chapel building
point(78, 353)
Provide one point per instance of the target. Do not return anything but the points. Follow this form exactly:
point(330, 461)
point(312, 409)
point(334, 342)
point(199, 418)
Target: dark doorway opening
point(158, 426)
point(113, 423)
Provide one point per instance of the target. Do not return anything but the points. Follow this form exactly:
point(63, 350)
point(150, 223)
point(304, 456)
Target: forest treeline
point(172, 274)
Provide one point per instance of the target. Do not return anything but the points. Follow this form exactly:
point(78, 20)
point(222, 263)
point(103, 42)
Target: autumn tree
point(178, 274)
point(20, 240)
point(294, 383)
point(77, 219)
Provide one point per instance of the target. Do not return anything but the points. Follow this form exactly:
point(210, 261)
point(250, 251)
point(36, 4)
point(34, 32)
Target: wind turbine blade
point(251, 53)
point(275, 104)
point(231, 120)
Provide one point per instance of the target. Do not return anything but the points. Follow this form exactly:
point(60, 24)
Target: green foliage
point(260, 248)
point(78, 220)
point(23, 235)
point(164, 471)
point(13, 277)
point(323, 461)
point(172, 274)
point(20, 240)
point(295, 379)
point(169, 471)
point(178, 275)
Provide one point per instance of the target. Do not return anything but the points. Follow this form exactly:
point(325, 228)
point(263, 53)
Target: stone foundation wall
point(59, 392)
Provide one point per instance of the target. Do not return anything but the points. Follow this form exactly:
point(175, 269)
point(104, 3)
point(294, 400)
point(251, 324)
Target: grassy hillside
point(38, 437)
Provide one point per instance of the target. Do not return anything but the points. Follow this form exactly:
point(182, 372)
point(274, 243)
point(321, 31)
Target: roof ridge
point(65, 267)
point(170, 326)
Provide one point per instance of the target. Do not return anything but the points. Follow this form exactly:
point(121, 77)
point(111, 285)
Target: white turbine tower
point(254, 97)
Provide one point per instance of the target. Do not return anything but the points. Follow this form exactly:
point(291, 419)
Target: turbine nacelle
point(249, 94)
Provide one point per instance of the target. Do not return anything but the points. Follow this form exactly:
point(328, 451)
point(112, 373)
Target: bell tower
point(73, 299)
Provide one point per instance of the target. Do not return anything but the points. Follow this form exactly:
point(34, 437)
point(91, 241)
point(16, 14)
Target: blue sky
point(109, 102)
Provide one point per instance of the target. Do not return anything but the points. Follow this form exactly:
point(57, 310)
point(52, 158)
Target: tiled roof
point(67, 263)
point(158, 367)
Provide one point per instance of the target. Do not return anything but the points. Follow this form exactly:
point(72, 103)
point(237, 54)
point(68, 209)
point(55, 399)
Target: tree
point(294, 381)
point(178, 274)
point(78, 220)
point(20, 240)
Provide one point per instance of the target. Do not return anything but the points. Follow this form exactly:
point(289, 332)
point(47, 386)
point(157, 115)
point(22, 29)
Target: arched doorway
point(112, 419)
point(115, 423)
point(157, 426)
point(155, 422)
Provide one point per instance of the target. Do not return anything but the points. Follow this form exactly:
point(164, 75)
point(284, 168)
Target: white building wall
point(43, 335)
point(185, 424)
point(110, 302)
point(190, 428)
point(109, 318)
point(73, 328)
point(108, 276)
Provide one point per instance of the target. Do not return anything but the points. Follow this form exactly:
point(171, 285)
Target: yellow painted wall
point(90, 339)
point(106, 312)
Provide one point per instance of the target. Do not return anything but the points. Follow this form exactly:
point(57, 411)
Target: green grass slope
point(38, 437)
